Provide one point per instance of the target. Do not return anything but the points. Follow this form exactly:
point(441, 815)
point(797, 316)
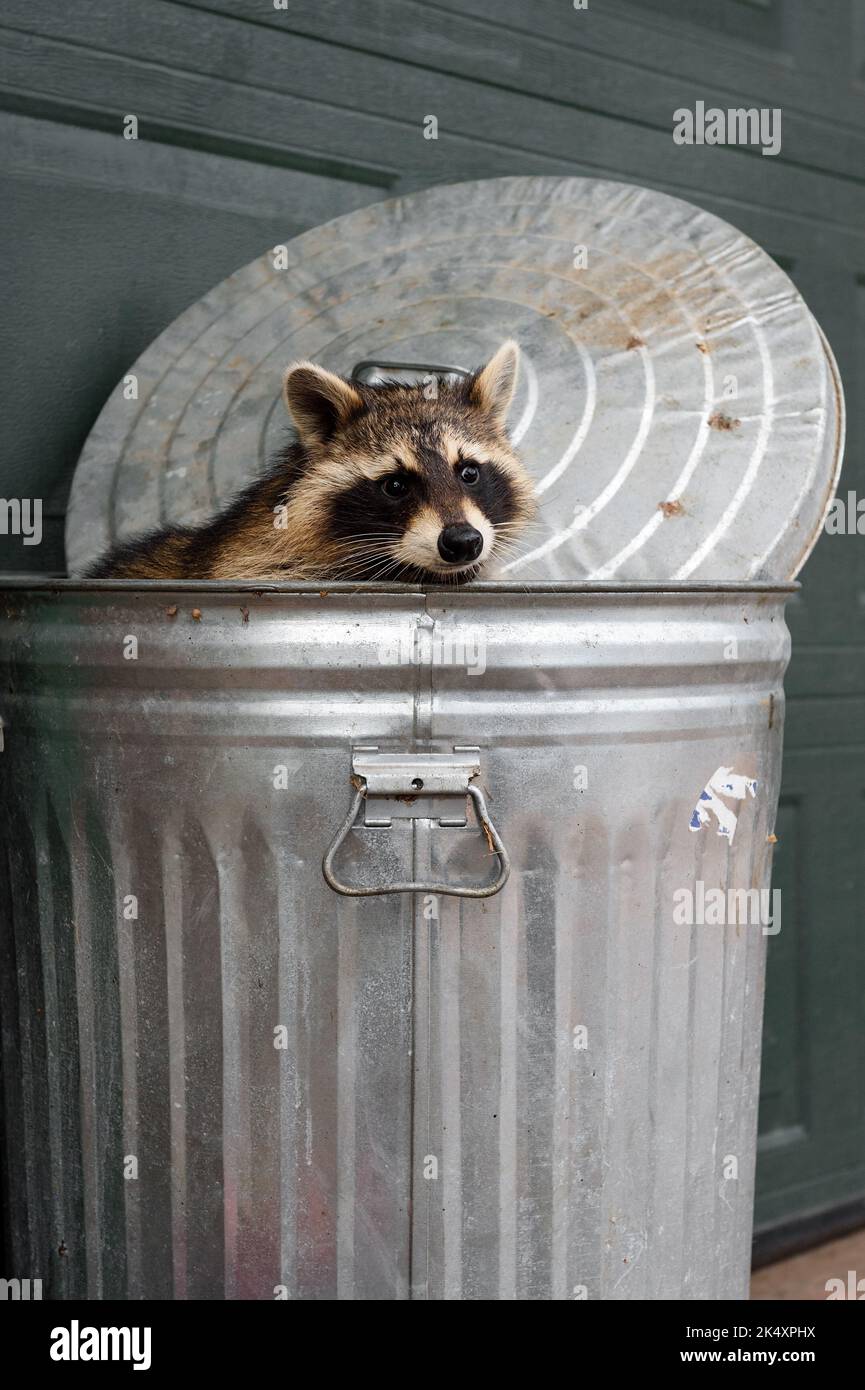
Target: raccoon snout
point(459, 545)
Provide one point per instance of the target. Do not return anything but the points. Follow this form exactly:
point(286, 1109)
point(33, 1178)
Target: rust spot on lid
point(702, 347)
point(634, 342)
point(719, 421)
point(196, 614)
point(671, 508)
point(172, 611)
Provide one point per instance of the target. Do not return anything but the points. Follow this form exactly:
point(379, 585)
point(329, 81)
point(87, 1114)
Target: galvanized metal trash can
point(224, 1079)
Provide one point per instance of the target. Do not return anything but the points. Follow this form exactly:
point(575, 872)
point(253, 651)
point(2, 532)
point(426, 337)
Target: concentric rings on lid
point(678, 405)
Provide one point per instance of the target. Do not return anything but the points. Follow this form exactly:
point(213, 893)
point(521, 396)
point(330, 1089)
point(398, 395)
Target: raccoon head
point(403, 483)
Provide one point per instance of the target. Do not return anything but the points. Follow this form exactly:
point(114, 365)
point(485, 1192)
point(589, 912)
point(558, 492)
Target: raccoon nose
point(459, 544)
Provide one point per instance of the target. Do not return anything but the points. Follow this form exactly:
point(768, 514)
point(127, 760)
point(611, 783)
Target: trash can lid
point(678, 404)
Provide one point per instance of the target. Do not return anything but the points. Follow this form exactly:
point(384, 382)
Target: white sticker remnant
point(724, 782)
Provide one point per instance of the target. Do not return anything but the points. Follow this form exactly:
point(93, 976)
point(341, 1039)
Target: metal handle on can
point(397, 779)
point(370, 367)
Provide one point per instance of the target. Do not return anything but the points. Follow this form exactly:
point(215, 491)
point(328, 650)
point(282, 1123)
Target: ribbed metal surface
point(599, 1167)
point(429, 1129)
point(679, 408)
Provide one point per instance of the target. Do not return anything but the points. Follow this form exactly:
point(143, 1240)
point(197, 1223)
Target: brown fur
point(320, 512)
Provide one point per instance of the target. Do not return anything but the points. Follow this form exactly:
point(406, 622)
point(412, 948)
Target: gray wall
point(257, 123)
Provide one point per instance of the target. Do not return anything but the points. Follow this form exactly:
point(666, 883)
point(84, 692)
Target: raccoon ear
point(492, 387)
point(318, 401)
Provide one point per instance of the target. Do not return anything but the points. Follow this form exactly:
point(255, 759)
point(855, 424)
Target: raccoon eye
point(470, 474)
point(395, 487)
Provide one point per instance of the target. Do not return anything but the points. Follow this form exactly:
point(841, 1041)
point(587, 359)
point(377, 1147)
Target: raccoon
point(383, 483)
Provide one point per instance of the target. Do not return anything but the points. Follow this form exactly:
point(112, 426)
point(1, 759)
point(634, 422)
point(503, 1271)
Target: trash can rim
point(323, 587)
